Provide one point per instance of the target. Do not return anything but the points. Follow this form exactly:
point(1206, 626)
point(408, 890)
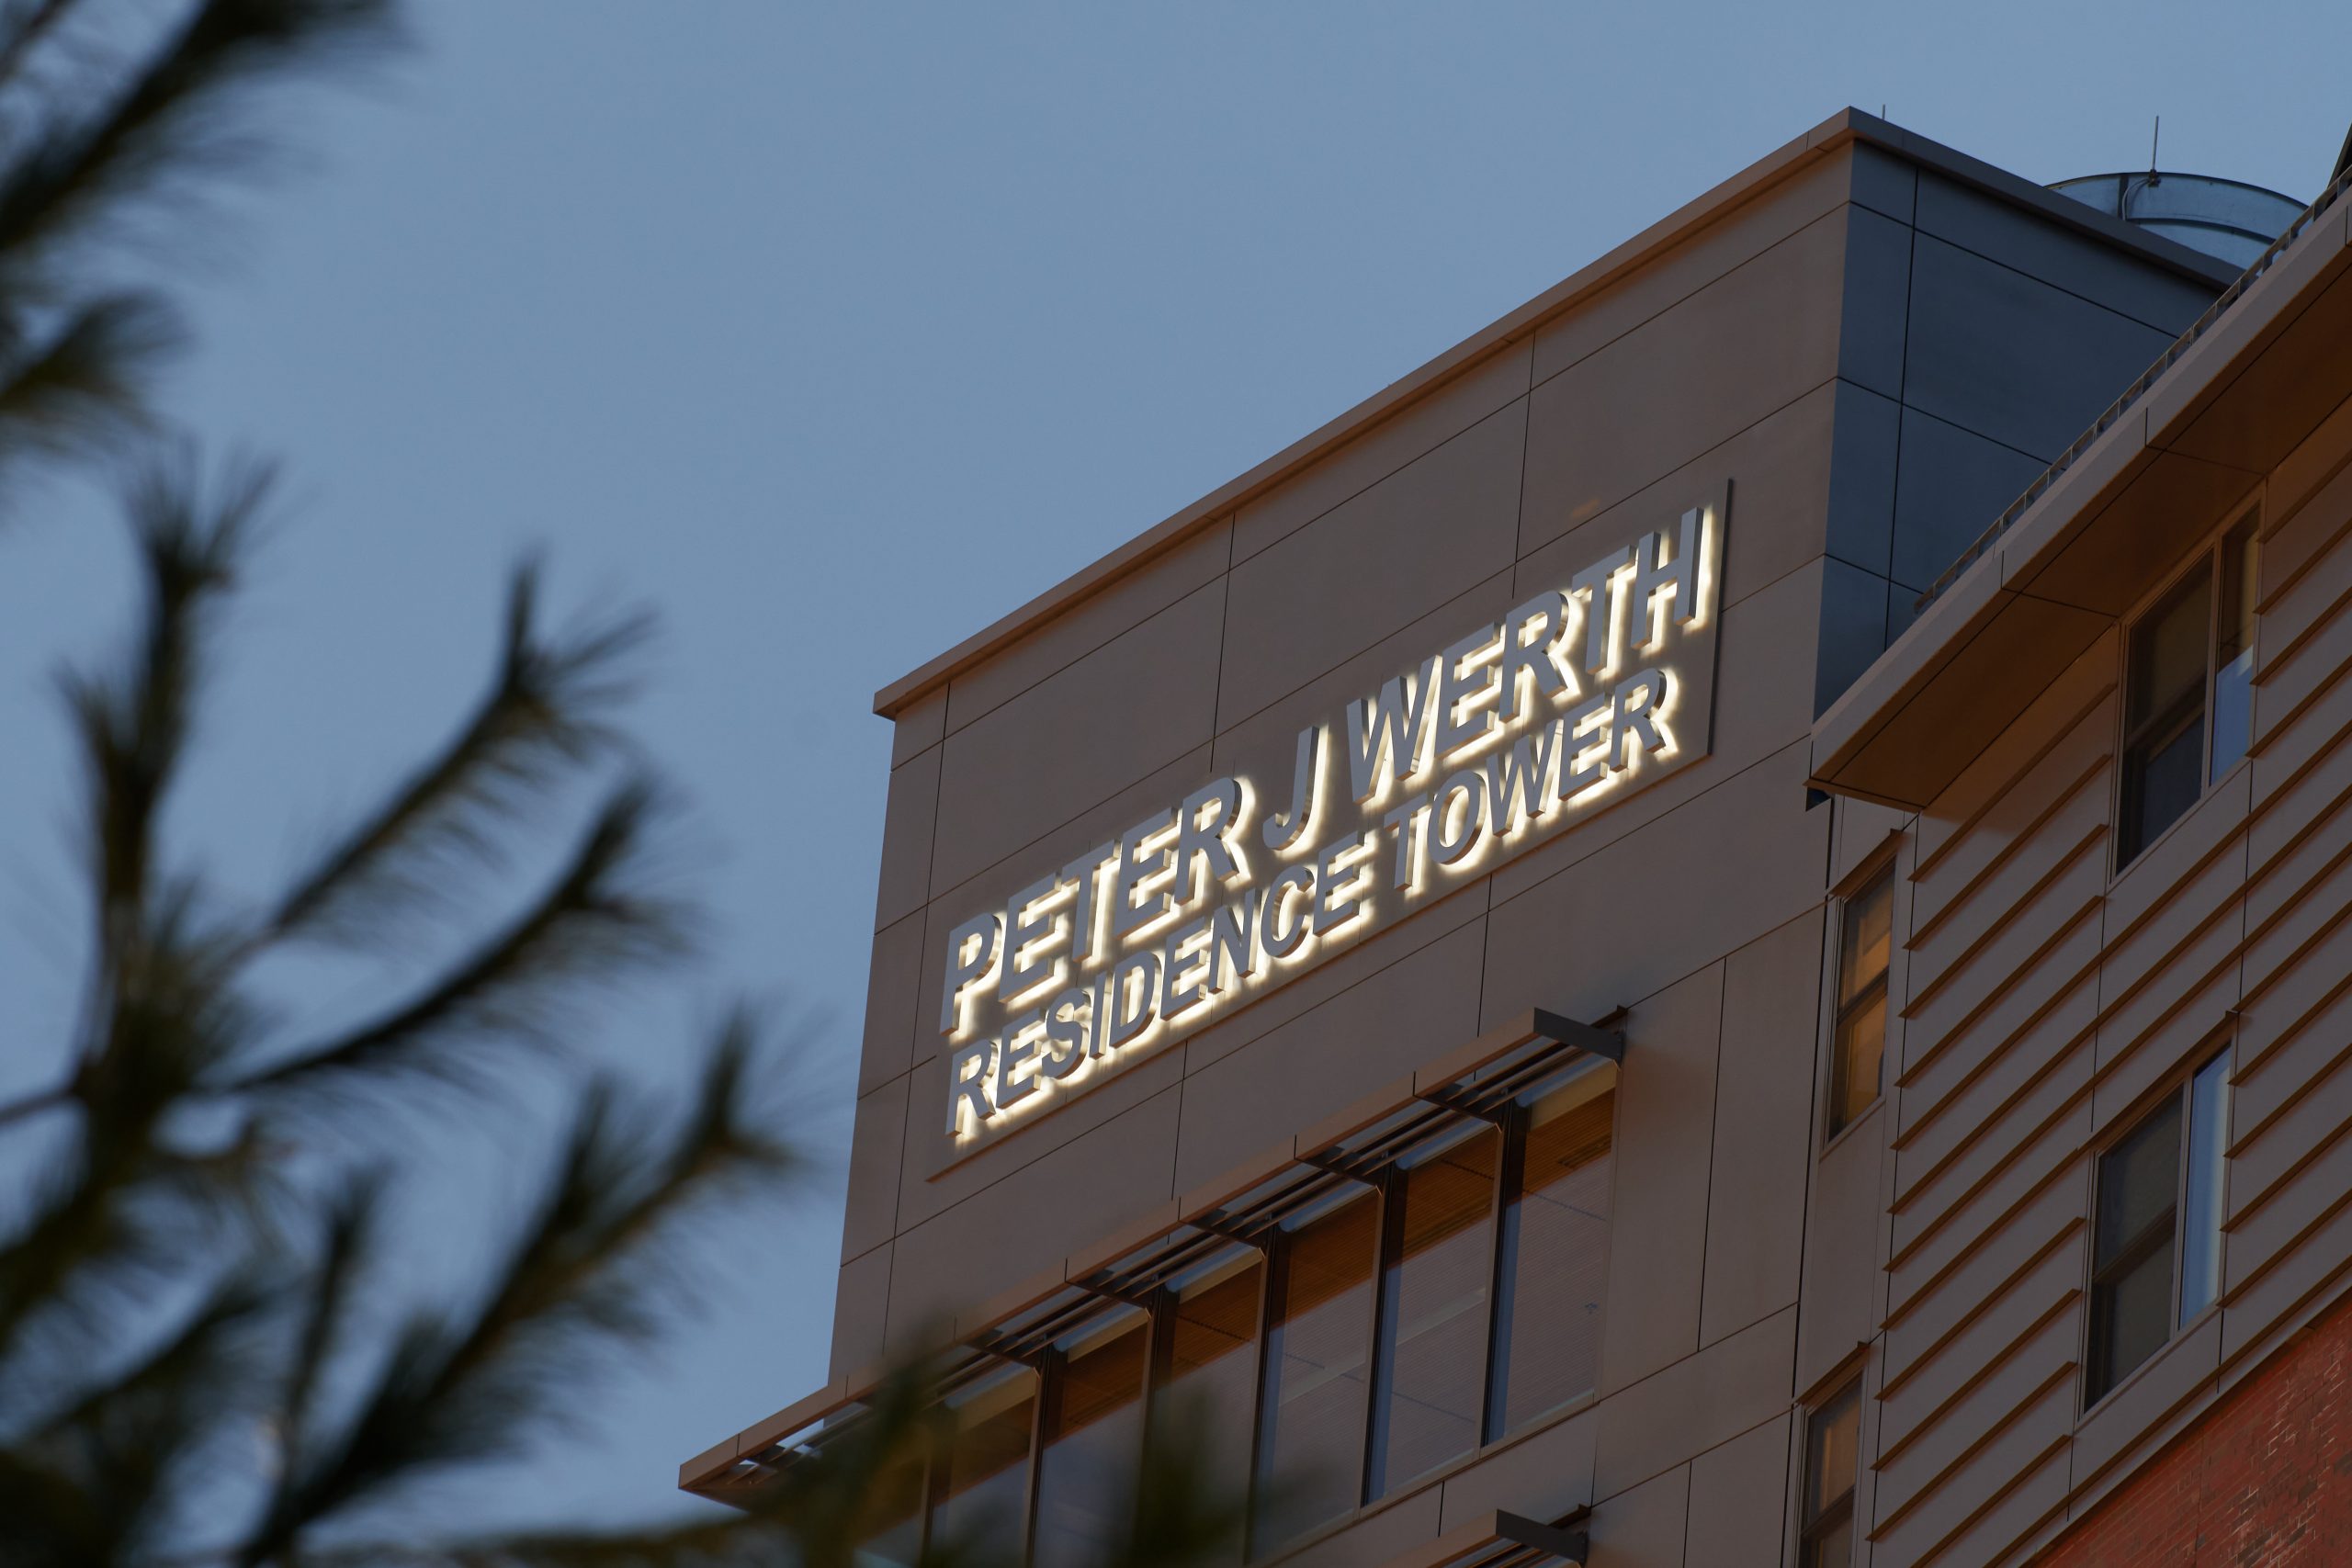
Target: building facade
point(1584, 968)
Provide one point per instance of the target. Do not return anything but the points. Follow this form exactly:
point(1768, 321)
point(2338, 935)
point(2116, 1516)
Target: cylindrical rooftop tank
point(2228, 218)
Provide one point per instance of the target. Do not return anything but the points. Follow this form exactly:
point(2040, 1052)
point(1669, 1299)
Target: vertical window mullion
point(1502, 1246)
point(1270, 1291)
point(1381, 1365)
point(1045, 1414)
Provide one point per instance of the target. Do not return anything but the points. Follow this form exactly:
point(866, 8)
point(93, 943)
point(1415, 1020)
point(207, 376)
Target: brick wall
point(2264, 1479)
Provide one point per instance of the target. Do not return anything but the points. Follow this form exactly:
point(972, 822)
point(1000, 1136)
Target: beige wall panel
point(2063, 706)
point(1644, 911)
point(2006, 980)
point(2072, 770)
point(1918, 1324)
point(2294, 745)
point(1841, 1249)
point(1974, 1088)
point(2016, 1524)
point(2283, 871)
point(908, 819)
point(1417, 429)
point(990, 888)
point(1700, 1401)
point(2266, 1222)
point(2006, 1392)
point(861, 1304)
point(2264, 1154)
point(919, 725)
point(2302, 635)
point(1754, 341)
point(2201, 858)
point(1352, 967)
point(2292, 541)
point(1376, 1537)
point(2003, 1135)
point(870, 1213)
point(2288, 917)
point(2181, 1371)
point(1939, 1526)
point(2290, 810)
point(1668, 279)
point(1779, 469)
point(1372, 1033)
point(1971, 1236)
point(2048, 1293)
point(923, 1195)
point(2002, 1393)
point(1097, 726)
point(1013, 1230)
point(893, 983)
point(1658, 1219)
point(1335, 587)
point(1763, 1144)
point(1125, 602)
point(2075, 825)
point(2291, 1287)
point(2194, 1032)
point(2293, 1029)
point(1643, 1528)
point(1542, 1476)
point(1740, 1499)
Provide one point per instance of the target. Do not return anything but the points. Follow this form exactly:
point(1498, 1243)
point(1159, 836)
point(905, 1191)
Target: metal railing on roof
point(2137, 389)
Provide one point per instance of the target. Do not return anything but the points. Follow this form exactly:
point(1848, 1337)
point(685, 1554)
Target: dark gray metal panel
point(2011, 357)
point(1864, 431)
point(2065, 259)
point(1853, 629)
point(1883, 182)
point(1952, 483)
point(1877, 287)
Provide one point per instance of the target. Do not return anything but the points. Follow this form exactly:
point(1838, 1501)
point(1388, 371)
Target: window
point(1205, 1390)
point(1094, 1437)
point(981, 1485)
point(1832, 1450)
point(2189, 693)
point(2156, 1230)
point(1858, 1040)
point(1431, 1369)
point(1318, 1343)
point(1551, 1254)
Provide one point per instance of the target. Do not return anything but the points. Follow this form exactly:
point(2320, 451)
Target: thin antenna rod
point(2153, 137)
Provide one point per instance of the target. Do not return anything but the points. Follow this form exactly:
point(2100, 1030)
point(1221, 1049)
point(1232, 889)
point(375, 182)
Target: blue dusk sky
point(832, 333)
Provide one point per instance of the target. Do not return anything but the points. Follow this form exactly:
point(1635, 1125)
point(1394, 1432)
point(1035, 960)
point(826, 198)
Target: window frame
point(2207, 558)
point(2178, 1091)
point(1881, 866)
point(1842, 1510)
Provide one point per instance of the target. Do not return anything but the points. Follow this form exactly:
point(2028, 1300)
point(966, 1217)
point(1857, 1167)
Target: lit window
point(1206, 1399)
point(1832, 1450)
point(1318, 1343)
point(1552, 1267)
point(1858, 1043)
point(2156, 1242)
point(1094, 1439)
point(1430, 1367)
point(981, 1486)
point(2189, 694)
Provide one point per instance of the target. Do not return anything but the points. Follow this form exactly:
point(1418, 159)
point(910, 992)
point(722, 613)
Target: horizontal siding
point(2044, 1000)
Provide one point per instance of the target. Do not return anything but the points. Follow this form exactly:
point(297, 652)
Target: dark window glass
point(2164, 741)
point(1208, 1391)
point(1857, 1045)
point(1318, 1344)
point(2233, 648)
point(983, 1478)
point(1832, 1449)
point(2132, 1248)
point(1552, 1267)
point(1093, 1441)
point(2200, 1225)
point(1433, 1355)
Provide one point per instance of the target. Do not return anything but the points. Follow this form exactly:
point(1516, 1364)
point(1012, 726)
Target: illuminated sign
point(1515, 731)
